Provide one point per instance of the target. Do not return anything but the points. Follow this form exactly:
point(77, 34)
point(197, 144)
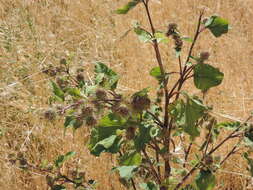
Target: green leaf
point(217, 25)
point(126, 172)
point(248, 136)
point(78, 181)
point(69, 122)
point(154, 132)
point(127, 7)
point(72, 121)
point(205, 180)
point(161, 37)
point(99, 78)
point(59, 94)
point(74, 92)
point(143, 137)
point(197, 59)
point(58, 187)
point(177, 111)
point(143, 35)
point(171, 182)
point(193, 111)
point(141, 93)
point(206, 76)
point(230, 125)
point(103, 145)
point(105, 76)
point(69, 155)
point(149, 186)
point(179, 171)
point(104, 136)
point(186, 114)
point(250, 163)
point(187, 39)
point(59, 161)
point(62, 158)
point(131, 159)
point(111, 120)
point(91, 89)
point(248, 142)
point(156, 72)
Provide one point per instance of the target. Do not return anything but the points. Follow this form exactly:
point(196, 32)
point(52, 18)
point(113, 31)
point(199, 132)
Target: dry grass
point(34, 33)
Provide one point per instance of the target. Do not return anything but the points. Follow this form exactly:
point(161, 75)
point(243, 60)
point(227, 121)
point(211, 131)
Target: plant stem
point(167, 168)
point(184, 73)
point(133, 184)
point(198, 31)
point(212, 151)
point(208, 138)
point(229, 154)
point(187, 154)
point(180, 64)
point(229, 136)
point(152, 166)
point(159, 61)
point(157, 157)
point(186, 177)
point(156, 118)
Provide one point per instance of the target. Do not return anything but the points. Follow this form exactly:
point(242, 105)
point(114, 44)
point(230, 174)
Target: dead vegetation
point(34, 34)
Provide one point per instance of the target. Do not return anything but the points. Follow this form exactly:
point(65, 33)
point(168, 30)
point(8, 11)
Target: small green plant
point(159, 142)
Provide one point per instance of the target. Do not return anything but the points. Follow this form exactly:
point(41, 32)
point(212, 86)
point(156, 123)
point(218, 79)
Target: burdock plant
point(168, 142)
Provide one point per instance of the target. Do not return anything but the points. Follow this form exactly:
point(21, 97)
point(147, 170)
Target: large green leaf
point(186, 114)
point(105, 76)
point(205, 180)
point(206, 76)
point(194, 110)
point(104, 136)
point(126, 172)
point(103, 145)
point(217, 25)
point(143, 137)
point(59, 94)
point(250, 163)
point(131, 159)
point(130, 5)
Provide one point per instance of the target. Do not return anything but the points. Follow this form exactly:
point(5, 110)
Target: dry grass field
point(36, 33)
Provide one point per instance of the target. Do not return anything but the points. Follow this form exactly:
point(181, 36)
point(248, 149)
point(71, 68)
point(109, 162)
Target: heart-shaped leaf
point(217, 25)
point(207, 76)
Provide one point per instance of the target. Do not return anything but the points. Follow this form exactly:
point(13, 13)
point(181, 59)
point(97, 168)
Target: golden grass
point(34, 33)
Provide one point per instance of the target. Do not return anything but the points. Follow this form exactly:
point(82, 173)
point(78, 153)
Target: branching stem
point(167, 168)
